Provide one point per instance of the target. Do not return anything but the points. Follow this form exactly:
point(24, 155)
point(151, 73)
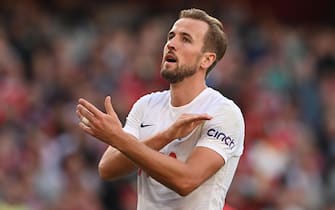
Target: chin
point(166, 70)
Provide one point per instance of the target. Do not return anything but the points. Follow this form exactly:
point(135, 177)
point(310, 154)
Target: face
point(183, 49)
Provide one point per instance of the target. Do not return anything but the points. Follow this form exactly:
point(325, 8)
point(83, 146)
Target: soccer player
point(186, 141)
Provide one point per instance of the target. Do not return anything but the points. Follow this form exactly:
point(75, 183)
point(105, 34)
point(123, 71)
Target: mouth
point(170, 58)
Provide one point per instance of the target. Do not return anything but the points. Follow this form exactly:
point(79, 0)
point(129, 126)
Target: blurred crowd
point(281, 75)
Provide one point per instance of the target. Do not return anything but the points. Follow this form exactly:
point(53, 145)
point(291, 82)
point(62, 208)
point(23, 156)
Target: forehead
point(193, 27)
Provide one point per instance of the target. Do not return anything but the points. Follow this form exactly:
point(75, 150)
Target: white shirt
point(224, 134)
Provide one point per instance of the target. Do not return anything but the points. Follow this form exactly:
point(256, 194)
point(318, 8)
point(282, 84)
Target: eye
point(170, 36)
point(186, 39)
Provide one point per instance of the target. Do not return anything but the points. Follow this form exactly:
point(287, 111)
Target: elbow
point(186, 187)
point(184, 193)
point(103, 172)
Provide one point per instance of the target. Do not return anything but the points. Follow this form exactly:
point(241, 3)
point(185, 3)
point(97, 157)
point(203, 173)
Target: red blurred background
point(279, 68)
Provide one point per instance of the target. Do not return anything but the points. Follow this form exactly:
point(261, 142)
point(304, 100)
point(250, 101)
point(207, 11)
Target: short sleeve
point(133, 120)
point(224, 133)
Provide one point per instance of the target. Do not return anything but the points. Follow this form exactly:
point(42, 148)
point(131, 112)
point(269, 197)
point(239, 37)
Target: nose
point(171, 45)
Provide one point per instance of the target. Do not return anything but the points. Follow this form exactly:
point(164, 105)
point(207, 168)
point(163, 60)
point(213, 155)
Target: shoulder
point(226, 127)
point(219, 104)
point(146, 104)
point(154, 98)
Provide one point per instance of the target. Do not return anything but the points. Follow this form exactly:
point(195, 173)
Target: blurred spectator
point(282, 75)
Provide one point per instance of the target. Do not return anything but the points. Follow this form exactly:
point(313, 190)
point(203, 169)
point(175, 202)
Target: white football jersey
point(224, 134)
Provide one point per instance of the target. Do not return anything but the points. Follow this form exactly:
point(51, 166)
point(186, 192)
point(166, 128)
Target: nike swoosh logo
point(145, 125)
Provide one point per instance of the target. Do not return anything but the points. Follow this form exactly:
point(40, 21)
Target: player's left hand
point(103, 126)
point(185, 124)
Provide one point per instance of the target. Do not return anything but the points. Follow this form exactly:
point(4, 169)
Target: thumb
point(108, 106)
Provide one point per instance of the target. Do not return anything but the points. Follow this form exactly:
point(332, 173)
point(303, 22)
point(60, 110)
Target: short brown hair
point(215, 39)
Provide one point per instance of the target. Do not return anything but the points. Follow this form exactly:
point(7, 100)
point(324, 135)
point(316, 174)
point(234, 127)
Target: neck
point(185, 91)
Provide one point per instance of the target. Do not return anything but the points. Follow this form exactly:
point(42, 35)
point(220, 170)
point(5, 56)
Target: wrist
point(117, 138)
point(167, 135)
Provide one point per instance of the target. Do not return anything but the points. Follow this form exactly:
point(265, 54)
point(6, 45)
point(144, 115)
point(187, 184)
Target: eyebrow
point(187, 35)
point(182, 34)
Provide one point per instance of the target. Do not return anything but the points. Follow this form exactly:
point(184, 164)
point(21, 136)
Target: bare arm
point(182, 177)
point(115, 164)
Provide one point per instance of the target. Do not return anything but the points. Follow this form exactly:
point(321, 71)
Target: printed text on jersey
point(230, 142)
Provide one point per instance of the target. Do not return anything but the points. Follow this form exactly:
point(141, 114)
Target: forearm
point(166, 170)
point(114, 164)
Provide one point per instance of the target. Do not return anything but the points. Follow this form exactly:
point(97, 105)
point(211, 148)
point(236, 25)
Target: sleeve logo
point(230, 142)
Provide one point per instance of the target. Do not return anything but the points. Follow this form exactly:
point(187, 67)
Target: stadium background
point(279, 67)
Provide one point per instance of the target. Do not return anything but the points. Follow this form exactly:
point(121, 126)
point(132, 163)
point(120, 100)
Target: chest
point(156, 120)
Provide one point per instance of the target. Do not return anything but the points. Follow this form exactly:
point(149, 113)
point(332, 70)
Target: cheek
point(164, 50)
point(192, 58)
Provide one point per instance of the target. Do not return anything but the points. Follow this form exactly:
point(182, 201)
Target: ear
point(207, 60)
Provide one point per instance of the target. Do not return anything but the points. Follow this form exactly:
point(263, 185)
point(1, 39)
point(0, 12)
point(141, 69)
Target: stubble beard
point(178, 74)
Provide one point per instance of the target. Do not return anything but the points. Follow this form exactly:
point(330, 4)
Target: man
point(186, 159)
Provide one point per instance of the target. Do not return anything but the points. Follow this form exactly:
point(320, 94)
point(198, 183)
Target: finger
point(83, 112)
point(197, 123)
point(204, 117)
point(79, 114)
point(188, 115)
point(86, 128)
point(108, 106)
point(84, 120)
point(197, 117)
point(90, 107)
